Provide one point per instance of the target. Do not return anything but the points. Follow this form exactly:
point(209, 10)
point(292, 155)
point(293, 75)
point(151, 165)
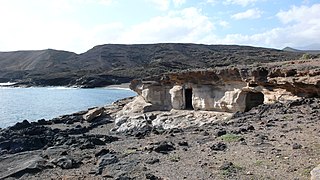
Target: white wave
point(7, 84)
point(118, 88)
point(61, 88)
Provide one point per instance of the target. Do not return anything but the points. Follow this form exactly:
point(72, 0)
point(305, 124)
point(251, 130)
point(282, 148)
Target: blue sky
point(78, 25)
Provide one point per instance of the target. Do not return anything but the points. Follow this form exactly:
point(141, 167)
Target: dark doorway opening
point(188, 98)
point(253, 99)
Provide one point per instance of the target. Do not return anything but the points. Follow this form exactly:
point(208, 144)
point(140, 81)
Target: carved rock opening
point(188, 99)
point(253, 99)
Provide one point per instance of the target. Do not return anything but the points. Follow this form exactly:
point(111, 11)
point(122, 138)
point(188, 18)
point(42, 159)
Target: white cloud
point(69, 5)
point(25, 29)
point(240, 2)
point(187, 25)
point(105, 2)
point(224, 24)
point(301, 28)
point(249, 14)
point(306, 1)
point(178, 3)
point(300, 14)
point(164, 5)
point(212, 2)
point(161, 4)
point(102, 34)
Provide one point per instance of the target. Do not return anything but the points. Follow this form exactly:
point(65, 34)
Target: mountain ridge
point(290, 49)
point(118, 63)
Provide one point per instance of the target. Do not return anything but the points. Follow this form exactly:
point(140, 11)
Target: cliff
point(228, 89)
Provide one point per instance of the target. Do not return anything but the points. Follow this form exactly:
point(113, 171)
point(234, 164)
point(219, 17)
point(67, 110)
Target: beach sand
point(119, 86)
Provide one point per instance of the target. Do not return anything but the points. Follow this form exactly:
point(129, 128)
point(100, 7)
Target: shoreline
point(124, 86)
point(56, 89)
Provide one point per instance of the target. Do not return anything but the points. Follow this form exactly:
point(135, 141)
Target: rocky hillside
point(111, 63)
point(311, 52)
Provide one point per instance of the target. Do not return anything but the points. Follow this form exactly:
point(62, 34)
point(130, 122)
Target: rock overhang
point(226, 89)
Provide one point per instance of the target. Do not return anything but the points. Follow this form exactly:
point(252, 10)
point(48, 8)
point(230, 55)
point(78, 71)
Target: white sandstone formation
point(225, 98)
point(165, 101)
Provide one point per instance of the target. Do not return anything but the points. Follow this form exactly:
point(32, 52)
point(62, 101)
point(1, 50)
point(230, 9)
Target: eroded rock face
point(230, 89)
point(158, 95)
point(209, 97)
point(176, 93)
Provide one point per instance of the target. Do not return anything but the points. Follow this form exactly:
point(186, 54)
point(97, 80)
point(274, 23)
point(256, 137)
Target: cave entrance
point(188, 99)
point(253, 99)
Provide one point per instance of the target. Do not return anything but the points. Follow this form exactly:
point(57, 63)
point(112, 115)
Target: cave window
point(253, 99)
point(188, 99)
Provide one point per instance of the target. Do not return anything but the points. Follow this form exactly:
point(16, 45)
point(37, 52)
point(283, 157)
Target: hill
point(114, 63)
point(305, 51)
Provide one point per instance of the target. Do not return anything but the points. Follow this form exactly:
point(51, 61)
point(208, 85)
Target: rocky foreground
point(276, 141)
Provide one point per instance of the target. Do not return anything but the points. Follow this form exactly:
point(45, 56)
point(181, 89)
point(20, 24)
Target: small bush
point(174, 158)
point(230, 169)
point(258, 162)
point(306, 56)
point(129, 152)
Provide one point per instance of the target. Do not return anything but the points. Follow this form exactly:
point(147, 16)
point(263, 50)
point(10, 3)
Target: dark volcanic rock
point(220, 132)
point(20, 139)
point(164, 147)
point(97, 141)
point(99, 122)
point(226, 165)
point(23, 144)
point(65, 162)
point(44, 122)
point(152, 160)
point(296, 146)
point(86, 144)
point(20, 125)
point(124, 177)
point(102, 152)
point(68, 119)
point(219, 146)
point(183, 143)
point(152, 177)
point(27, 136)
point(77, 130)
point(105, 160)
point(15, 165)
point(110, 139)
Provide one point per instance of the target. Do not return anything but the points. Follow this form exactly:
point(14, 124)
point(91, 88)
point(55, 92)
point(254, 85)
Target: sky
point(79, 25)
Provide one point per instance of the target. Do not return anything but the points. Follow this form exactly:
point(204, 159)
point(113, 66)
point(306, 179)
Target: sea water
point(18, 104)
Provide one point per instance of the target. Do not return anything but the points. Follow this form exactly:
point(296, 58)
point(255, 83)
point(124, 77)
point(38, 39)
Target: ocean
point(18, 104)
